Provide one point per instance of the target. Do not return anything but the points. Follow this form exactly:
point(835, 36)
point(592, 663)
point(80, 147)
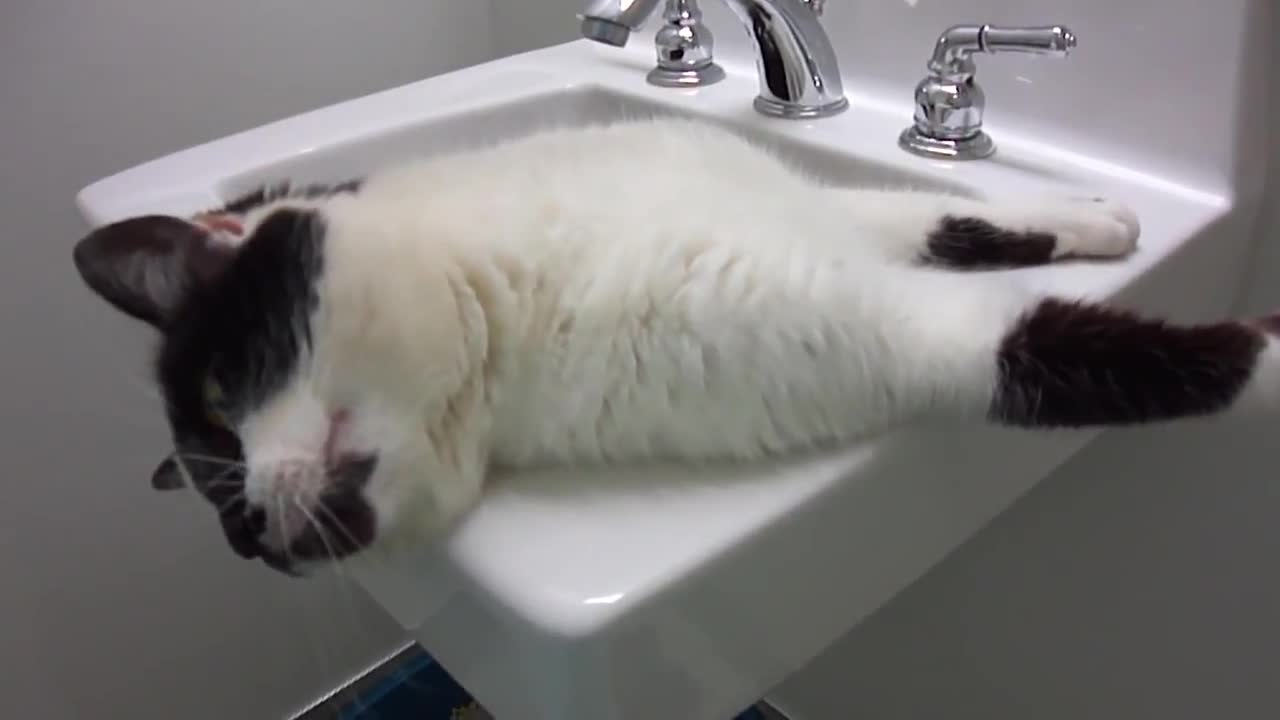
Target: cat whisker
point(185, 461)
point(220, 480)
point(284, 539)
point(339, 574)
point(210, 459)
point(318, 527)
point(321, 652)
point(338, 524)
point(225, 506)
point(323, 534)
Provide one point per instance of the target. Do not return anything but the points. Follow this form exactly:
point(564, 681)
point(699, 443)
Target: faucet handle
point(950, 105)
point(953, 53)
point(1053, 40)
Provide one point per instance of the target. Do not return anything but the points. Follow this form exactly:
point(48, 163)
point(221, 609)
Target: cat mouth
point(298, 534)
point(312, 547)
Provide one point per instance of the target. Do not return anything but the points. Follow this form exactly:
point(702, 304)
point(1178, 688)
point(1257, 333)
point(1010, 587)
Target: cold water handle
point(949, 103)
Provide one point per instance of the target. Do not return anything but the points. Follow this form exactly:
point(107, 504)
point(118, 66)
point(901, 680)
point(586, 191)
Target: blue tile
point(421, 689)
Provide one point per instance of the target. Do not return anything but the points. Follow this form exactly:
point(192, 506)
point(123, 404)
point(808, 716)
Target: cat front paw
point(1086, 227)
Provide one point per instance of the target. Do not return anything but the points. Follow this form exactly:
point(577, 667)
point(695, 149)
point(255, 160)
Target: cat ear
point(145, 266)
point(168, 476)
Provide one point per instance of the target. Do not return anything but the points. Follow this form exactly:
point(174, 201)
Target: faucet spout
point(796, 64)
point(799, 75)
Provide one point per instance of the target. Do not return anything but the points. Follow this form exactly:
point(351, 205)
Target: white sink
point(665, 593)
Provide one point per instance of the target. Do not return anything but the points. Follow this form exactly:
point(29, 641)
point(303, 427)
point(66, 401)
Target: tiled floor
point(416, 687)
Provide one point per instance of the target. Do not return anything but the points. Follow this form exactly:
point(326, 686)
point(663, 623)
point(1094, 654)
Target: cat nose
point(328, 525)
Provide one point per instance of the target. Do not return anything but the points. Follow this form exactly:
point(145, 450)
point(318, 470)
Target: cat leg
point(962, 233)
point(966, 348)
point(953, 345)
point(1054, 362)
point(1074, 364)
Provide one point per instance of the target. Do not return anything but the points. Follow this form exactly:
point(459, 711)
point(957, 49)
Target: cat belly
point(672, 423)
point(724, 366)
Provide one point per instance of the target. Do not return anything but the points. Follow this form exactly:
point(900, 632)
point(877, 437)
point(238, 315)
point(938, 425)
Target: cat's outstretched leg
point(962, 233)
point(1072, 364)
point(1064, 363)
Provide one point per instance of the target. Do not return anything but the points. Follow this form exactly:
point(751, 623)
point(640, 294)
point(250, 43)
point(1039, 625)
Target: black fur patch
point(249, 327)
point(1071, 364)
point(282, 190)
point(966, 242)
point(246, 331)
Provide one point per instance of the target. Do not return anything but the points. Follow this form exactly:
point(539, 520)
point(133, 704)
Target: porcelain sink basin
point(663, 592)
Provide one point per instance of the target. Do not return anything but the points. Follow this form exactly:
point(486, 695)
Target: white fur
point(657, 289)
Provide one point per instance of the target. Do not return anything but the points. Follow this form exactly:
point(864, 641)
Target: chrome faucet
point(799, 76)
point(950, 104)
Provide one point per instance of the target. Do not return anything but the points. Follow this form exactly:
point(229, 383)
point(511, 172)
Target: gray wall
point(119, 603)
point(520, 25)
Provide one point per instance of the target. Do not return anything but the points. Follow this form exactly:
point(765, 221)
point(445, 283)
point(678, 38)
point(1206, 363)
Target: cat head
point(294, 391)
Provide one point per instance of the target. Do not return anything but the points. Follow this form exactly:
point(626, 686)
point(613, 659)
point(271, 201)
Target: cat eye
point(215, 404)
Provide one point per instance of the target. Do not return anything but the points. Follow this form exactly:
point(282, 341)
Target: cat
point(343, 365)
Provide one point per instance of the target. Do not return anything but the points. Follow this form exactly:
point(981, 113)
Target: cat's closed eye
point(215, 404)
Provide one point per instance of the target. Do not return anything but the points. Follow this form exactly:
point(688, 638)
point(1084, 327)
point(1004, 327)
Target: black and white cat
point(342, 365)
